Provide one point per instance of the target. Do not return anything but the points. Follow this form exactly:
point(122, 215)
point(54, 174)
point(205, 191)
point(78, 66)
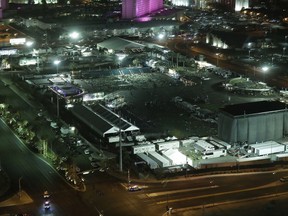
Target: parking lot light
point(57, 62)
point(74, 35)
point(217, 56)
point(29, 43)
point(265, 70)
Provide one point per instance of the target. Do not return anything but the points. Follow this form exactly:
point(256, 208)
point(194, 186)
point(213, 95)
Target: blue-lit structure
point(67, 91)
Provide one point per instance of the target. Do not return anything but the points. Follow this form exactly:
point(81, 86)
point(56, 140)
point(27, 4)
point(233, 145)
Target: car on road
point(46, 195)
point(134, 188)
point(284, 179)
point(47, 204)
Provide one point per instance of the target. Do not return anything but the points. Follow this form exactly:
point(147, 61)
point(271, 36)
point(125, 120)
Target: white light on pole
point(265, 70)
point(29, 43)
point(57, 62)
point(161, 36)
point(217, 56)
point(74, 35)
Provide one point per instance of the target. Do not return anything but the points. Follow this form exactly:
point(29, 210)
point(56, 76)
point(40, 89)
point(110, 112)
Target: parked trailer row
point(159, 159)
point(150, 162)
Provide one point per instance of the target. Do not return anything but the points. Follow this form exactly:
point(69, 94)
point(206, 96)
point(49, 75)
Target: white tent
point(177, 157)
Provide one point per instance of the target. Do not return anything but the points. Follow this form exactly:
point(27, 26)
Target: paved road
point(214, 192)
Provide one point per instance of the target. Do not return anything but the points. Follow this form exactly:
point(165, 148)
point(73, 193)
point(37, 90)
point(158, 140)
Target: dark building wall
point(253, 128)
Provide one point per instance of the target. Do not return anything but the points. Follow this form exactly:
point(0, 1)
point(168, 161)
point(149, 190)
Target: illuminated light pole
point(265, 70)
point(217, 56)
point(249, 48)
point(57, 104)
point(284, 49)
point(161, 36)
point(128, 178)
point(36, 52)
point(74, 35)
point(57, 62)
point(275, 184)
point(120, 151)
point(29, 43)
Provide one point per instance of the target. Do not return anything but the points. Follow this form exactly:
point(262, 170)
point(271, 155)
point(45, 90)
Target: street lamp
point(161, 36)
point(264, 70)
point(275, 184)
point(217, 56)
point(74, 35)
point(284, 49)
point(57, 62)
point(29, 43)
point(36, 52)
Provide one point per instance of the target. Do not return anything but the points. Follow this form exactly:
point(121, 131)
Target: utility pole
point(128, 177)
point(19, 186)
point(120, 147)
point(57, 105)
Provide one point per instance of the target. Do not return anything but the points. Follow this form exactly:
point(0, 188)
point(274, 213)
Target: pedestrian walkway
point(17, 199)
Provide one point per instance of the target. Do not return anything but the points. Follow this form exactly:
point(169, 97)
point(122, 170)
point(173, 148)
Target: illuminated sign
point(17, 41)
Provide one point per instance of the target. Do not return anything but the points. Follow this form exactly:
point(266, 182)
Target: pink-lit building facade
point(138, 8)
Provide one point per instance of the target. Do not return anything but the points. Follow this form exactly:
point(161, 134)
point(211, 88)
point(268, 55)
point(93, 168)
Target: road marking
point(212, 195)
point(126, 186)
point(180, 191)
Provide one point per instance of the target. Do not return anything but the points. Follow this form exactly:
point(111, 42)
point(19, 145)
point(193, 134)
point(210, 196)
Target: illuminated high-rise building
point(138, 8)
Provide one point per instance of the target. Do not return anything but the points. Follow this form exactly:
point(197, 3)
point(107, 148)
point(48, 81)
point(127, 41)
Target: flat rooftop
point(254, 107)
